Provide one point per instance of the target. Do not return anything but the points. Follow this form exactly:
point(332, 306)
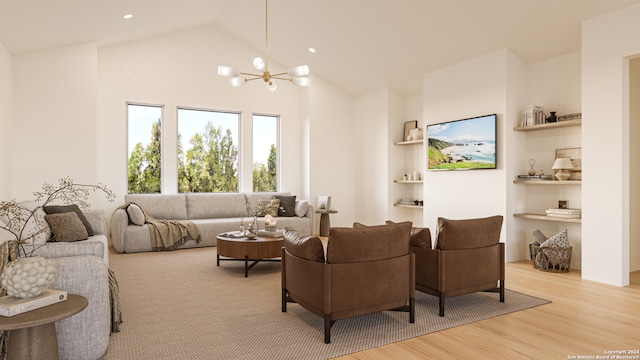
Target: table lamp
point(563, 164)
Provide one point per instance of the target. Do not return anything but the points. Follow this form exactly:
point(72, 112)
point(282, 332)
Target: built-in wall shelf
point(554, 125)
point(408, 181)
point(548, 182)
point(409, 206)
point(547, 218)
point(410, 142)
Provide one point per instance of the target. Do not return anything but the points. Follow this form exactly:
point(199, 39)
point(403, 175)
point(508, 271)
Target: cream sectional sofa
point(82, 268)
point(213, 213)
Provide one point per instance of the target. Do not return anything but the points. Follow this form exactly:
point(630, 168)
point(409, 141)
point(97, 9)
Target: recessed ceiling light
point(128, 16)
point(312, 50)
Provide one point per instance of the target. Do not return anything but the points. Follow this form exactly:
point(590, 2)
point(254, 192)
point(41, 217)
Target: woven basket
point(551, 259)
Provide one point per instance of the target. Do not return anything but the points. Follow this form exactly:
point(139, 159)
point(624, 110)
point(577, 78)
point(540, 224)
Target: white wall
point(54, 118)
point(179, 70)
point(472, 88)
point(634, 164)
point(6, 100)
point(332, 150)
point(607, 43)
point(372, 170)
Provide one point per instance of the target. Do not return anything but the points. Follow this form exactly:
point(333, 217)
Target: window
point(207, 151)
point(265, 153)
point(144, 148)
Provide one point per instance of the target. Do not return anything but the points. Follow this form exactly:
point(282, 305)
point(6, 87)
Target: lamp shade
point(562, 163)
point(228, 71)
point(301, 81)
point(302, 70)
point(258, 63)
point(237, 81)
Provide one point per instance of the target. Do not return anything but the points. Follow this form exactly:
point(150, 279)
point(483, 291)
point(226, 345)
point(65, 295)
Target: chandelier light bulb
point(302, 70)
point(258, 63)
point(228, 71)
point(237, 81)
point(301, 81)
point(272, 86)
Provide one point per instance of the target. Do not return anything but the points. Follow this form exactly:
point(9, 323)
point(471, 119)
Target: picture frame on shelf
point(324, 203)
point(576, 159)
point(408, 126)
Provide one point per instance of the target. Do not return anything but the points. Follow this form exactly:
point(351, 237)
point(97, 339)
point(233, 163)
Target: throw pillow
point(5, 235)
point(557, 241)
point(306, 247)
point(419, 237)
point(269, 208)
point(36, 225)
point(66, 227)
point(136, 215)
point(287, 205)
point(301, 207)
point(57, 209)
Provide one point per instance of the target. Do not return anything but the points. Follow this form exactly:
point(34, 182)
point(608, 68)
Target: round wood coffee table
point(33, 333)
point(244, 249)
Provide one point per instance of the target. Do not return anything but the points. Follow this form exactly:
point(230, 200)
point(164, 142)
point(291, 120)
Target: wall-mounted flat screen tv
point(465, 144)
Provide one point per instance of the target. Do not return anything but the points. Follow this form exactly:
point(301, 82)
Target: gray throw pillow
point(301, 207)
point(66, 227)
point(57, 209)
point(136, 215)
point(287, 205)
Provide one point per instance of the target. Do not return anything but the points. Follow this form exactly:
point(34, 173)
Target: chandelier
point(296, 75)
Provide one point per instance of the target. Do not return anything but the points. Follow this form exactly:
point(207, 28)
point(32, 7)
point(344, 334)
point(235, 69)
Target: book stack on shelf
point(535, 177)
point(533, 115)
point(11, 305)
point(406, 201)
point(565, 213)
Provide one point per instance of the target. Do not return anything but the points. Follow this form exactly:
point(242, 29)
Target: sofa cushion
point(306, 247)
point(216, 205)
point(161, 206)
point(287, 205)
point(66, 227)
point(136, 215)
point(269, 207)
point(368, 243)
point(469, 233)
point(34, 224)
point(57, 209)
point(252, 199)
point(420, 237)
point(301, 207)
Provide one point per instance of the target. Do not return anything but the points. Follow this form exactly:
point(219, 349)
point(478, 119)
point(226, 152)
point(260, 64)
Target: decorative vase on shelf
point(552, 118)
point(27, 277)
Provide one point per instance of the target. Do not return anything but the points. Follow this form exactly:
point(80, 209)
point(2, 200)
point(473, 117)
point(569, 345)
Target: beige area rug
point(179, 305)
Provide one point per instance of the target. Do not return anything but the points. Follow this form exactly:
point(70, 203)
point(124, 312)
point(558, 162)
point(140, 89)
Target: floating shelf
point(555, 125)
point(408, 181)
point(411, 142)
point(409, 206)
point(548, 182)
point(547, 218)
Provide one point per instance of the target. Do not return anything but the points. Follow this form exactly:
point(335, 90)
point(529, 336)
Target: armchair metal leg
point(441, 304)
point(412, 310)
point(327, 328)
point(284, 300)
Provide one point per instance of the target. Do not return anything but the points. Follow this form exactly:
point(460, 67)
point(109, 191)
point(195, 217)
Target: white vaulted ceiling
point(361, 45)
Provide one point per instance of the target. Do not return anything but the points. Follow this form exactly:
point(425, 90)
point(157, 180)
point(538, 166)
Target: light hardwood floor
point(585, 318)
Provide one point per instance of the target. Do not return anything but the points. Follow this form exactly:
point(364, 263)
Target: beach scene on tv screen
point(463, 144)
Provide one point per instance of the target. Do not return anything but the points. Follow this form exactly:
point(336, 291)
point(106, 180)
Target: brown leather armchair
point(468, 257)
point(367, 270)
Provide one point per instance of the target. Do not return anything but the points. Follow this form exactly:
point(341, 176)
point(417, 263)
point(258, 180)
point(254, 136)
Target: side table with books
point(32, 332)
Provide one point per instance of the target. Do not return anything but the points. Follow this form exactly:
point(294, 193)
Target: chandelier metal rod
point(266, 25)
